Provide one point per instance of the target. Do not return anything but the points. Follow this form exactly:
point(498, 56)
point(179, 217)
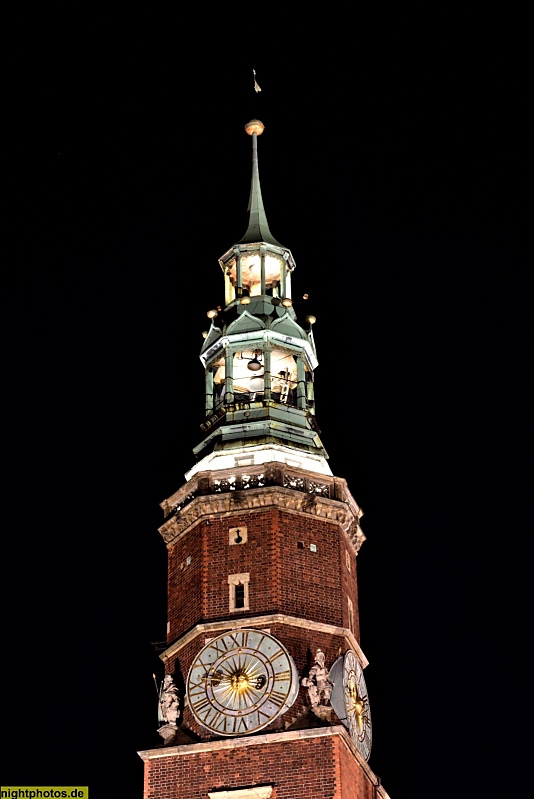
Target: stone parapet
point(244, 488)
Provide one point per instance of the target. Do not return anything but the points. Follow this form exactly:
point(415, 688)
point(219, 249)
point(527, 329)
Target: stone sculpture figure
point(169, 701)
point(318, 682)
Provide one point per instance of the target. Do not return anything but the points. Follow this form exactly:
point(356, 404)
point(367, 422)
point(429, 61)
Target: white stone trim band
point(243, 793)
point(265, 621)
point(264, 740)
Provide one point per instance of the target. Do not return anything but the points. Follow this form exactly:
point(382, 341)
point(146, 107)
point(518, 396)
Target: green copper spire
point(258, 227)
point(259, 362)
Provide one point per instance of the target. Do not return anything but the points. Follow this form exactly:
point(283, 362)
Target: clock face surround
point(240, 682)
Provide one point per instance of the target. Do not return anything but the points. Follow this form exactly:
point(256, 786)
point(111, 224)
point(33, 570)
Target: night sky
point(398, 179)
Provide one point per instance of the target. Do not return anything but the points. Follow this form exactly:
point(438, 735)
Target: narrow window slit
point(240, 596)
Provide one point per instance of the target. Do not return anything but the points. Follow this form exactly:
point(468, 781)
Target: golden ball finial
point(255, 126)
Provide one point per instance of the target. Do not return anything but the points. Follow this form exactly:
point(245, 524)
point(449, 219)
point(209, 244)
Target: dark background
point(396, 171)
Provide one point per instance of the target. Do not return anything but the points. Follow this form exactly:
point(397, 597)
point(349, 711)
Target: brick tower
point(264, 694)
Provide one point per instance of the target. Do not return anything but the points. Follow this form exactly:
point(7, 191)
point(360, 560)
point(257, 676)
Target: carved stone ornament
point(318, 682)
point(169, 701)
point(226, 502)
point(168, 733)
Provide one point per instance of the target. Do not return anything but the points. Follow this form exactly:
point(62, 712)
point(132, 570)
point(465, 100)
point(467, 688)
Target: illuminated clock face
point(351, 701)
point(240, 682)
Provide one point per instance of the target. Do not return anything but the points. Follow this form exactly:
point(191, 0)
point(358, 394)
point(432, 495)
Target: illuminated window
point(347, 559)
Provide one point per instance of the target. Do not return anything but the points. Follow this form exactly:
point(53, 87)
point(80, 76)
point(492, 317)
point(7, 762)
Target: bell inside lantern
point(254, 365)
point(256, 384)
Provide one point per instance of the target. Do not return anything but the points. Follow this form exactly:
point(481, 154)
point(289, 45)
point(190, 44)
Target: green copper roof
point(258, 227)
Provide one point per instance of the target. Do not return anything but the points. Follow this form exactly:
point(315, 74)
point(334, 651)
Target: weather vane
point(256, 84)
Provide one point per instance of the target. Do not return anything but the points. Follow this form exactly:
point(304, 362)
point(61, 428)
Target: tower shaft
point(264, 693)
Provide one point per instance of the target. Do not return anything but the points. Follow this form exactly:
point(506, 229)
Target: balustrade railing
point(244, 479)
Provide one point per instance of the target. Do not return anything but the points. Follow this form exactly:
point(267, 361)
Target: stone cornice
point(234, 342)
point(242, 489)
point(222, 744)
point(237, 743)
point(264, 621)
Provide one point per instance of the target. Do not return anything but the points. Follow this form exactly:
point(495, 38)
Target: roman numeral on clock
point(199, 705)
point(244, 636)
point(277, 698)
point(214, 720)
point(220, 646)
point(240, 724)
point(283, 675)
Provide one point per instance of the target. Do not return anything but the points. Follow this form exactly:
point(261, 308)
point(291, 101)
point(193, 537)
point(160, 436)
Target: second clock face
point(240, 682)
point(357, 704)
point(351, 702)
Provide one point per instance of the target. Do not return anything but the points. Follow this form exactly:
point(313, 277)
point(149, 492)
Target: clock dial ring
point(240, 682)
